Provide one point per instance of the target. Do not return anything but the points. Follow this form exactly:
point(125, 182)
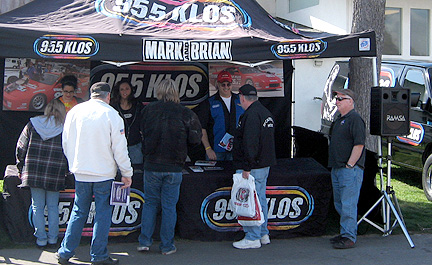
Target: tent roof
point(165, 30)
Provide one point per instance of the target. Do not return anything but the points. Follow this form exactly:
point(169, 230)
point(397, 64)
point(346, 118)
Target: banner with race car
point(29, 84)
point(267, 78)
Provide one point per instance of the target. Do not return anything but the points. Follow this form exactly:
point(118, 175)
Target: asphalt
point(370, 249)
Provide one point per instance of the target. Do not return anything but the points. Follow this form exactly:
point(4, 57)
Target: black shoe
point(108, 261)
point(344, 243)
point(52, 246)
point(41, 247)
point(61, 260)
point(335, 239)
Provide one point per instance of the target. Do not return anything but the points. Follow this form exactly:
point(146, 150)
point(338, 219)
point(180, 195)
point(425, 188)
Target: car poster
point(266, 78)
point(29, 84)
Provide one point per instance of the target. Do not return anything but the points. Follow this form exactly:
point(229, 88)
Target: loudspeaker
point(389, 115)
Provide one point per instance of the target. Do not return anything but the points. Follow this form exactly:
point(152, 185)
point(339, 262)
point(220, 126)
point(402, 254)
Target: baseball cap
point(224, 76)
point(98, 87)
point(248, 90)
point(347, 92)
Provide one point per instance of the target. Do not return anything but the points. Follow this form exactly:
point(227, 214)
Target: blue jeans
point(84, 191)
point(161, 189)
point(40, 198)
point(260, 175)
point(346, 190)
point(135, 154)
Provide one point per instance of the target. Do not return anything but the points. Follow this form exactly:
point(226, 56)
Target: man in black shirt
point(254, 153)
point(346, 158)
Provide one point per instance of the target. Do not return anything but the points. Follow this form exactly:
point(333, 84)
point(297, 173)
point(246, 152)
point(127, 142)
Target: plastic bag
point(242, 195)
point(257, 220)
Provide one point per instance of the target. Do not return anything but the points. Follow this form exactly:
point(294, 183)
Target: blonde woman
point(42, 167)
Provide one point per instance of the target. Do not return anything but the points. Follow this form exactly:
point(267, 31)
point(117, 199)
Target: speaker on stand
point(389, 117)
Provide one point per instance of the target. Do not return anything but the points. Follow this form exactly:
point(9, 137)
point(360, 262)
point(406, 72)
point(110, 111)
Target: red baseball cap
point(224, 76)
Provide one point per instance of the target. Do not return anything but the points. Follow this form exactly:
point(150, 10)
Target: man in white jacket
point(95, 146)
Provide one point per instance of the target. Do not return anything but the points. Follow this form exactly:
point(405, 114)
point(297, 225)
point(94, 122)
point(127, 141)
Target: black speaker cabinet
point(389, 114)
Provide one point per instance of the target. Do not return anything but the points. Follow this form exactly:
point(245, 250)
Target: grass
point(415, 208)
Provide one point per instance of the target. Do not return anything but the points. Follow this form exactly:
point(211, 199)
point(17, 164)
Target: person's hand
point(245, 174)
point(211, 154)
point(127, 182)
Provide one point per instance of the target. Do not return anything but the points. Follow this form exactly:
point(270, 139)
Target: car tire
point(12, 79)
point(38, 102)
point(427, 178)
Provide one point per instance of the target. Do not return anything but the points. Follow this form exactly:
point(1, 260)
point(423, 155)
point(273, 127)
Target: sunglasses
point(68, 92)
point(341, 98)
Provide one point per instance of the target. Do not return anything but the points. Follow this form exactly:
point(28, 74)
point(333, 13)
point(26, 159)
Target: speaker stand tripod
point(388, 203)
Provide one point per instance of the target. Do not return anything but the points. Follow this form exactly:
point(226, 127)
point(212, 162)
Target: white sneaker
point(265, 240)
point(143, 248)
point(245, 244)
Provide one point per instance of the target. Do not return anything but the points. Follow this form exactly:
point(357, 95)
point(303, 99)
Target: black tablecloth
point(298, 194)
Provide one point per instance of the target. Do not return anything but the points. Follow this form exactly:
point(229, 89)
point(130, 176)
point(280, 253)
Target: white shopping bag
point(257, 220)
point(242, 195)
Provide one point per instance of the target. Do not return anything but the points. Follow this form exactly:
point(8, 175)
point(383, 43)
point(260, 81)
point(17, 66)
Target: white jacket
point(94, 142)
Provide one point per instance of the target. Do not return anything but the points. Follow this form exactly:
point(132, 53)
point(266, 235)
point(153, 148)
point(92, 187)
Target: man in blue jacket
point(219, 116)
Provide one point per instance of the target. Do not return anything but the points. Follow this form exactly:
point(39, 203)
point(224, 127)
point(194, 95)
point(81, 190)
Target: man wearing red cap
point(219, 116)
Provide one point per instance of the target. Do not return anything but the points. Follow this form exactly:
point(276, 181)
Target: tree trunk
point(368, 15)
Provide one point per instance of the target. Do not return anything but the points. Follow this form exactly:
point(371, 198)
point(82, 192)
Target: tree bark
point(368, 15)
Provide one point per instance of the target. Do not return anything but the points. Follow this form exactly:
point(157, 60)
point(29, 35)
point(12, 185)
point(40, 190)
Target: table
point(298, 195)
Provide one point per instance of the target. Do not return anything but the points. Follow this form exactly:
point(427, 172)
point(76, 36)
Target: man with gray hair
point(346, 160)
point(95, 146)
point(169, 129)
point(254, 153)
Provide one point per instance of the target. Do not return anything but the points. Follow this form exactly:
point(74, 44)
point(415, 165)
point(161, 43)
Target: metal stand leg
point(388, 204)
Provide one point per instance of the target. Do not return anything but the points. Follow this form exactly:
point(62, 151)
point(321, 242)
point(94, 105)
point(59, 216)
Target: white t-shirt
point(227, 102)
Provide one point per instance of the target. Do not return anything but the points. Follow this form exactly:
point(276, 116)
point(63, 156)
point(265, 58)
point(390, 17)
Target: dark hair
point(115, 93)
point(69, 80)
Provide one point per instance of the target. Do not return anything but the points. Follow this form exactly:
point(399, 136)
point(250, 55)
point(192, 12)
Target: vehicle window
point(248, 70)
point(415, 81)
point(48, 79)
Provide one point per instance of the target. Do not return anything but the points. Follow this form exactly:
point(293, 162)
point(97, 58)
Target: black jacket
point(254, 145)
point(132, 125)
point(168, 130)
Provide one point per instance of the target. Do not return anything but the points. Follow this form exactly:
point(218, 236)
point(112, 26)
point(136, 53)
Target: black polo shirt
point(346, 132)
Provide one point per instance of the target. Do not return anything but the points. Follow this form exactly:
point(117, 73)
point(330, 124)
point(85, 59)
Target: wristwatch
point(349, 165)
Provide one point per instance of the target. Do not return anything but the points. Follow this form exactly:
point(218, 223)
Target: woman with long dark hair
point(129, 108)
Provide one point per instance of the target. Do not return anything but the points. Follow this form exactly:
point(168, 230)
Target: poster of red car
point(266, 78)
point(29, 84)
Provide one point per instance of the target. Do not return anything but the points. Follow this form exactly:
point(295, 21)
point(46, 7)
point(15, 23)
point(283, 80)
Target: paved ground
point(370, 249)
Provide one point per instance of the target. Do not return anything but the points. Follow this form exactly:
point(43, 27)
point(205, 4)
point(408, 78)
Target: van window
point(415, 81)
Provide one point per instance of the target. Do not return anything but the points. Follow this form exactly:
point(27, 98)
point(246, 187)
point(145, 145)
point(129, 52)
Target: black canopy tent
point(163, 30)
point(118, 30)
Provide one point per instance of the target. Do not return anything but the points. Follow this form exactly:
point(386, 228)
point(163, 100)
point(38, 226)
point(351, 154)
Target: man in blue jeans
point(346, 159)
point(168, 130)
point(95, 146)
point(254, 153)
